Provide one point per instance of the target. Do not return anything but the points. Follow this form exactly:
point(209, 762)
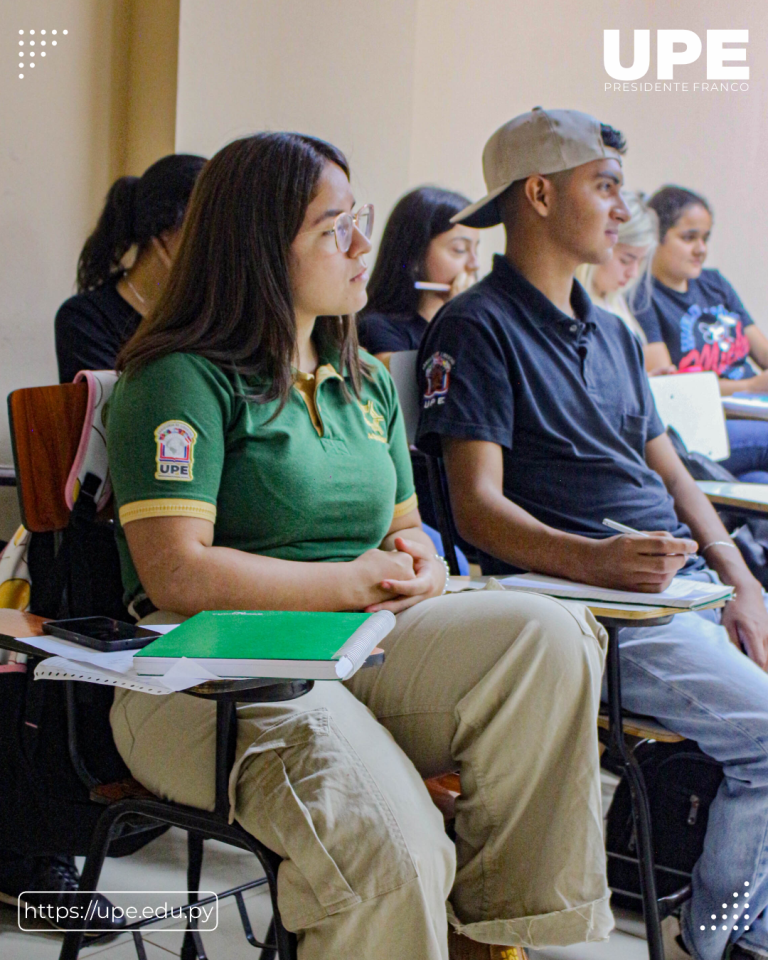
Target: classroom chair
point(46, 424)
point(620, 732)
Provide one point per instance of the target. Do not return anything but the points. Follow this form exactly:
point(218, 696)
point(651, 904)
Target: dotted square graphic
point(735, 906)
point(31, 45)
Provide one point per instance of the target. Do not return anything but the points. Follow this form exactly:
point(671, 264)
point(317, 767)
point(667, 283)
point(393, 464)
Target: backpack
point(700, 466)
point(45, 805)
point(682, 782)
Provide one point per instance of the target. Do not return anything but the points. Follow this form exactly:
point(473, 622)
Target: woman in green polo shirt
point(259, 461)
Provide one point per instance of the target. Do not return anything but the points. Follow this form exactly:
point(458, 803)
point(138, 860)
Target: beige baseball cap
point(542, 141)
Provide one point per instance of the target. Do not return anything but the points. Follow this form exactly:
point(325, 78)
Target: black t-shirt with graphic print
point(703, 328)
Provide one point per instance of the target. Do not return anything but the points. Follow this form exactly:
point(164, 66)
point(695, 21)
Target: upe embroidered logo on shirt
point(175, 450)
point(437, 370)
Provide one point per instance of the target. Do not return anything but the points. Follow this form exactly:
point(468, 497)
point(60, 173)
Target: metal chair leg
point(286, 942)
point(89, 878)
point(639, 796)
point(268, 953)
point(189, 949)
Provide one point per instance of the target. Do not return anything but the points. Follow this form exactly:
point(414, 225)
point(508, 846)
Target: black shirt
point(567, 400)
point(90, 330)
point(703, 328)
point(391, 333)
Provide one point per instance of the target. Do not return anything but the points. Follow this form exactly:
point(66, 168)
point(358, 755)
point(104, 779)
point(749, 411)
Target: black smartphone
point(101, 633)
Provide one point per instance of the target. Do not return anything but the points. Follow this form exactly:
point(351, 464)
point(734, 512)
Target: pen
point(623, 528)
point(437, 287)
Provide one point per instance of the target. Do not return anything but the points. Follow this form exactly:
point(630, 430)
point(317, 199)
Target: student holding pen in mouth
point(424, 261)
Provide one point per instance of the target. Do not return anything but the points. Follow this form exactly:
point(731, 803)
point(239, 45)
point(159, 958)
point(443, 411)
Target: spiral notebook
point(261, 643)
point(59, 668)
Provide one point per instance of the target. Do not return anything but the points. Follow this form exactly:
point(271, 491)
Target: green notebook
point(269, 643)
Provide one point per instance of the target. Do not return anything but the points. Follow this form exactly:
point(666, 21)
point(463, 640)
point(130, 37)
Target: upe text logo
point(677, 48)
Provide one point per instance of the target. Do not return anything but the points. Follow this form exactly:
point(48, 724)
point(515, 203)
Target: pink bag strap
point(91, 454)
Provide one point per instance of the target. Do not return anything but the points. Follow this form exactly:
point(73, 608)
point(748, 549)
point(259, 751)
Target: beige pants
point(505, 687)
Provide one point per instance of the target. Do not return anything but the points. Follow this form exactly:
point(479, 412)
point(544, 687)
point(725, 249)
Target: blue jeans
point(694, 681)
point(749, 450)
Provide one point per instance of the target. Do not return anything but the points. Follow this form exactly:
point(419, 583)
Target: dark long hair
point(228, 296)
point(416, 220)
point(669, 203)
point(135, 210)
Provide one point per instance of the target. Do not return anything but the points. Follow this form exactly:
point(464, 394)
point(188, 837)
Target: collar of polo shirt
point(542, 310)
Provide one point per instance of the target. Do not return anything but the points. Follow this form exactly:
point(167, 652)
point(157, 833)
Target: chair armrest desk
point(746, 497)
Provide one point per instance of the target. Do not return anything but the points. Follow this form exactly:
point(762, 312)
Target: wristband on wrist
point(718, 543)
point(447, 572)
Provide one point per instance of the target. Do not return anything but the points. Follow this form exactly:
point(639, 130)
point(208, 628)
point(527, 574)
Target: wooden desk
point(741, 496)
point(14, 623)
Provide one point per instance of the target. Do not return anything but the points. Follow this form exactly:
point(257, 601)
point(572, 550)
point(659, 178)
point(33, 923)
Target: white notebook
point(683, 592)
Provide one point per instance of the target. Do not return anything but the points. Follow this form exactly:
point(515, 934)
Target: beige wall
point(342, 71)
point(490, 61)
point(69, 128)
point(411, 90)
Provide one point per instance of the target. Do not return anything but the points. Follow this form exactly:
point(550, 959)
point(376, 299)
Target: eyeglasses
point(345, 223)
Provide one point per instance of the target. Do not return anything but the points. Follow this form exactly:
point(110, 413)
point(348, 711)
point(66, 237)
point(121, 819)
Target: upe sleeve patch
point(175, 450)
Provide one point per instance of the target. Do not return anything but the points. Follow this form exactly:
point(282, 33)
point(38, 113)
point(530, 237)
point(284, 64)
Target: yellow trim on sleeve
point(167, 507)
point(401, 509)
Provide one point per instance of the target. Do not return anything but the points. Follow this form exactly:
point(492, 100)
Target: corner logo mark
point(175, 450)
point(738, 913)
point(678, 48)
point(34, 44)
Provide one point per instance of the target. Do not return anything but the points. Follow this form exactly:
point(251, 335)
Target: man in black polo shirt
point(538, 402)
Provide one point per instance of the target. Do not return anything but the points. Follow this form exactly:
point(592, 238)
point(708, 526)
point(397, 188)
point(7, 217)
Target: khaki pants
point(505, 687)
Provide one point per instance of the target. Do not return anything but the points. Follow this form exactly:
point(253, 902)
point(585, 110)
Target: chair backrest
point(402, 367)
point(691, 403)
point(46, 424)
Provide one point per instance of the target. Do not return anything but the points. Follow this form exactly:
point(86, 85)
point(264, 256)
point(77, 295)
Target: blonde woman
point(622, 284)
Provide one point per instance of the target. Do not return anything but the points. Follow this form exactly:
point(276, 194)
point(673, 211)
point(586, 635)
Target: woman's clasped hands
point(397, 579)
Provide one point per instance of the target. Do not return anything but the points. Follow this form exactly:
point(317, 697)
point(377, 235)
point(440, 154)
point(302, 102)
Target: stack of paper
point(72, 661)
point(684, 592)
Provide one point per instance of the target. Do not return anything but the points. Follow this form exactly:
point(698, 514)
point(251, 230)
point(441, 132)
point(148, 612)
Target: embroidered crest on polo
point(175, 450)
point(373, 420)
point(437, 371)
